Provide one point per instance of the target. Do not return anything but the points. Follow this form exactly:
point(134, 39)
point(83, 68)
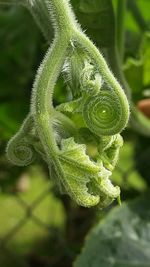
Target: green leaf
point(122, 239)
point(86, 181)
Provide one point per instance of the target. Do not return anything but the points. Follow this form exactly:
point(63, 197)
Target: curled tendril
point(19, 149)
point(103, 113)
point(20, 152)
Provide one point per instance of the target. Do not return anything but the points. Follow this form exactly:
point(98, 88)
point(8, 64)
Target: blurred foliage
point(121, 239)
point(142, 156)
point(93, 16)
point(137, 69)
point(22, 47)
point(20, 53)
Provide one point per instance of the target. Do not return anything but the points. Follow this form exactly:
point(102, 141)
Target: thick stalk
point(62, 16)
point(45, 81)
point(42, 106)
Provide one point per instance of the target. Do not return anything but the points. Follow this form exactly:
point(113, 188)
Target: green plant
point(76, 131)
point(98, 101)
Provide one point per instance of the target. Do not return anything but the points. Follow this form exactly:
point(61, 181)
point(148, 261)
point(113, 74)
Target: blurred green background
point(38, 226)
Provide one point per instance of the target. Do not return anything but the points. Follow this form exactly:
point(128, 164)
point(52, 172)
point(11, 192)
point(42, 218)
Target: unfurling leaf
point(86, 181)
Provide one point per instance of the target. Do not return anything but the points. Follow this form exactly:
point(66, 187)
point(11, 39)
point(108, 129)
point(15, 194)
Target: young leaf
point(85, 181)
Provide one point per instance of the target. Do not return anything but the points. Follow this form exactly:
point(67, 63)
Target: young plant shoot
point(80, 139)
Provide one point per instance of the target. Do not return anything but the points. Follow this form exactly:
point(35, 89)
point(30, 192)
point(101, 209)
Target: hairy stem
point(62, 16)
point(43, 90)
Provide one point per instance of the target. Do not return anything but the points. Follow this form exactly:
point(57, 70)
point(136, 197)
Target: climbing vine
point(94, 116)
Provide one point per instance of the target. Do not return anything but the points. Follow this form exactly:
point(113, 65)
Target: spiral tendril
point(103, 113)
point(20, 153)
point(19, 150)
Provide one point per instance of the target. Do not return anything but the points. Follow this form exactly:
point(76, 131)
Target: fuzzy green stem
point(42, 108)
point(42, 94)
point(62, 16)
point(121, 11)
point(47, 76)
